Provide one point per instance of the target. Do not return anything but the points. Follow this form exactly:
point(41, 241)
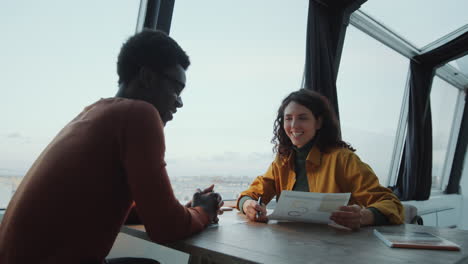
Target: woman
point(311, 157)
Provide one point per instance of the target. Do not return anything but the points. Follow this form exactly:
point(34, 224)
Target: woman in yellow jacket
point(311, 157)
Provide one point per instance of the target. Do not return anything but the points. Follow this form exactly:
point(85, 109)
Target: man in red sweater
point(72, 202)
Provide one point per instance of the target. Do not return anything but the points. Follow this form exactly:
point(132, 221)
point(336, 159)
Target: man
point(72, 202)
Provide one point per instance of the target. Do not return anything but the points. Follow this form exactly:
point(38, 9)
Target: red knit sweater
point(72, 202)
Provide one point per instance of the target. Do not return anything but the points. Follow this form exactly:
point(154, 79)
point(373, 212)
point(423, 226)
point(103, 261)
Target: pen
point(260, 203)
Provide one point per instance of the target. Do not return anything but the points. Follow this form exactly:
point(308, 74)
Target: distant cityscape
point(228, 186)
point(8, 185)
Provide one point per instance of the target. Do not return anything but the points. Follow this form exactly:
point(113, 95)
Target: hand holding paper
point(308, 206)
point(348, 216)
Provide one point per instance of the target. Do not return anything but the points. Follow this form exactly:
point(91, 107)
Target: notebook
point(421, 240)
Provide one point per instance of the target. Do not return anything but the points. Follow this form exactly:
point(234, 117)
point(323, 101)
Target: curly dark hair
point(152, 49)
point(327, 137)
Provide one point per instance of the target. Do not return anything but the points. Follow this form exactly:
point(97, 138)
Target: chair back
point(411, 215)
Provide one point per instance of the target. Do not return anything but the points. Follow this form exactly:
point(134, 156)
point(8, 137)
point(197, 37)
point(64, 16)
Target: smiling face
point(300, 124)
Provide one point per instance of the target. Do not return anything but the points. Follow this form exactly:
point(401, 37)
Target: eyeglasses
point(172, 79)
point(179, 83)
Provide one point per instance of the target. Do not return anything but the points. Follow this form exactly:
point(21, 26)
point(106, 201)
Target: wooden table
point(235, 240)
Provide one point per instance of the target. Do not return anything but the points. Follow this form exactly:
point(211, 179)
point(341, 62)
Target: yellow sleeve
point(366, 191)
point(262, 186)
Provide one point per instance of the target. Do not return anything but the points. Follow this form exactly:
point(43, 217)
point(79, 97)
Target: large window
point(419, 21)
point(370, 85)
point(56, 58)
point(443, 102)
point(245, 59)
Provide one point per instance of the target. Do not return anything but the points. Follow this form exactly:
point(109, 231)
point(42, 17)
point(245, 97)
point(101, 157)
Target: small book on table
point(421, 240)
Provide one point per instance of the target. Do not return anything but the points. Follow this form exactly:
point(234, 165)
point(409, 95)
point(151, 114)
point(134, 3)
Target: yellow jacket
point(339, 171)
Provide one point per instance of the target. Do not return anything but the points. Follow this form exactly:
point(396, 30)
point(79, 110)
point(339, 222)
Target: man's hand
point(251, 208)
point(206, 190)
point(211, 203)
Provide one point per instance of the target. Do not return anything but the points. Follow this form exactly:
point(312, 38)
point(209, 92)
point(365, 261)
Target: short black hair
point(152, 49)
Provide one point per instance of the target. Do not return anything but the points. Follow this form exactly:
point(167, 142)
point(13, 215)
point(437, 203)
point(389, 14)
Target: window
point(60, 57)
point(245, 60)
point(419, 21)
point(370, 86)
point(443, 102)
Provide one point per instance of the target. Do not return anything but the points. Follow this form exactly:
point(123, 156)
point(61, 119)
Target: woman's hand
point(352, 216)
point(251, 207)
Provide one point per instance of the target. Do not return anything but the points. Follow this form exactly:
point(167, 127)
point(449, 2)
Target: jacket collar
point(314, 157)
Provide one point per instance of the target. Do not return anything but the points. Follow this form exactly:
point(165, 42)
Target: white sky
point(56, 57)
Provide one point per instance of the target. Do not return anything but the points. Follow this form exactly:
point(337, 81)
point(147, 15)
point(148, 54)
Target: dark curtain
point(326, 29)
point(159, 15)
point(165, 15)
point(415, 174)
point(415, 179)
point(152, 12)
point(460, 151)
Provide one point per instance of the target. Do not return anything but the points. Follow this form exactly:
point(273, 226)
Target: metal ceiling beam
point(380, 32)
point(453, 76)
point(445, 39)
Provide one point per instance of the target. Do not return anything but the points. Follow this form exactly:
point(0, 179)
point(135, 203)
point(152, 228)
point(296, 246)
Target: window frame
point(378, 31)
point(453, 139)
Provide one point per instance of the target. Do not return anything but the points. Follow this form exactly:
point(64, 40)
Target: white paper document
point(308, 206)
